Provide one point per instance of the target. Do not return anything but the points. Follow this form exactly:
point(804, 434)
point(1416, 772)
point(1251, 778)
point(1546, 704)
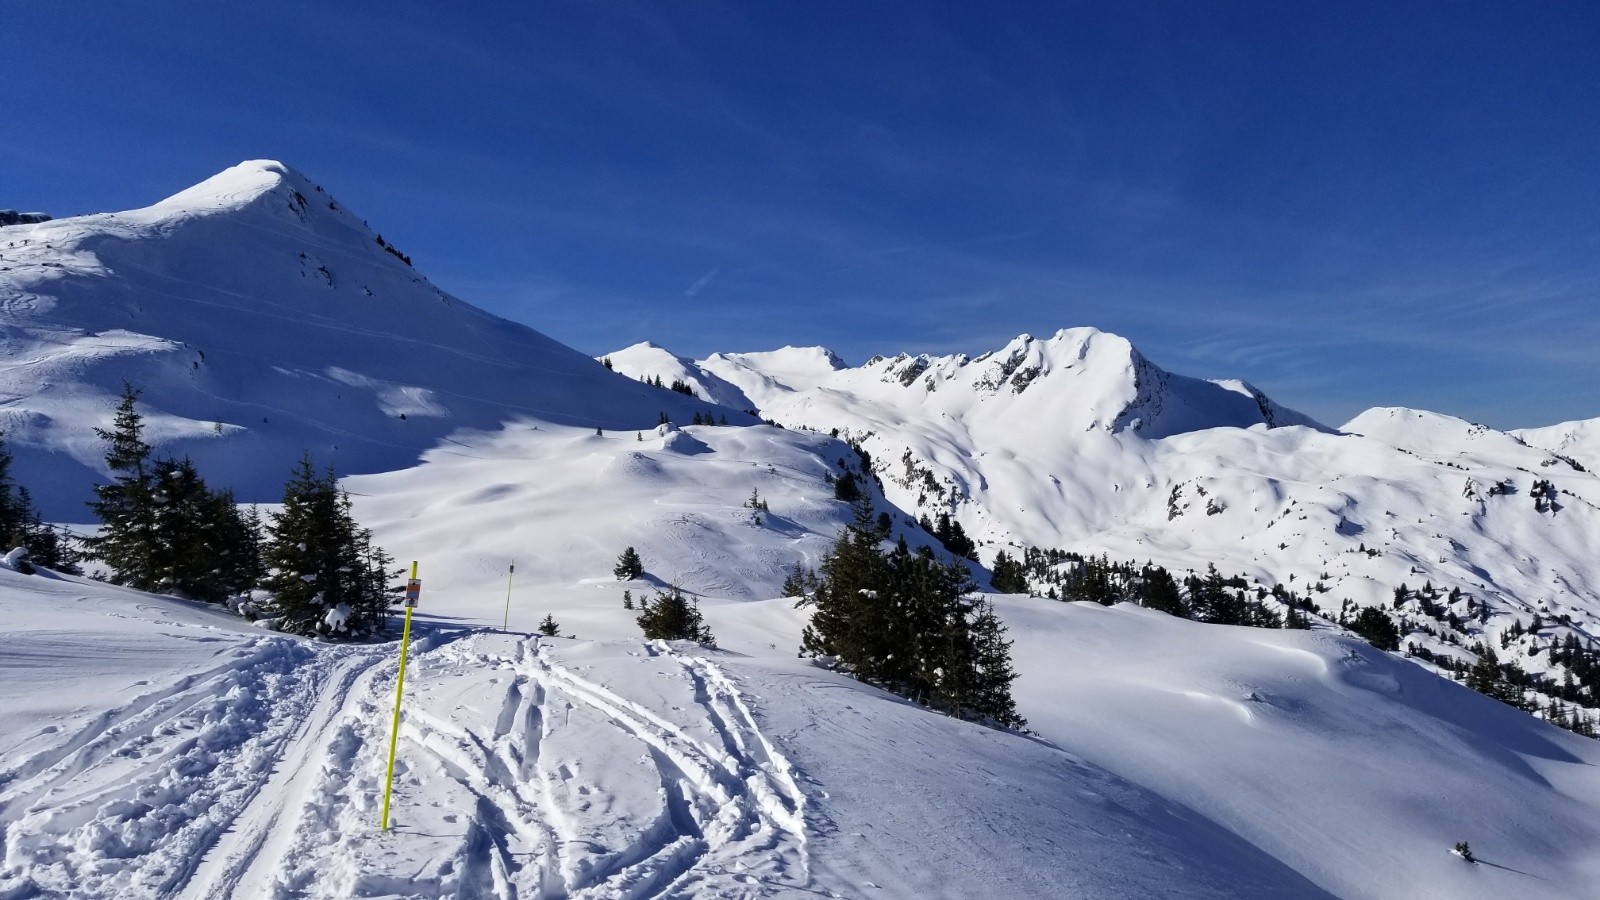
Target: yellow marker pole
point(509, 575)
point(413, 592)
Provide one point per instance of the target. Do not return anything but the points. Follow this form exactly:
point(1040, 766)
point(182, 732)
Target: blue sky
point(1349, 204)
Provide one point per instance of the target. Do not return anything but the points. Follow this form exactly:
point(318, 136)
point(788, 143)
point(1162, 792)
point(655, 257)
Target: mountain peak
point(236, 186)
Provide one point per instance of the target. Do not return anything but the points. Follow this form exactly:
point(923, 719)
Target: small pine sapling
point(629, 566)
point(1464, 850)
point(548, 627)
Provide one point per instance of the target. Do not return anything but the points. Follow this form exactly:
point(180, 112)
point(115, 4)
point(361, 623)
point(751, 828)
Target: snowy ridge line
point(132, 812)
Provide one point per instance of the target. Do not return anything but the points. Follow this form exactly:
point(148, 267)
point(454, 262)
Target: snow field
point(551, 768)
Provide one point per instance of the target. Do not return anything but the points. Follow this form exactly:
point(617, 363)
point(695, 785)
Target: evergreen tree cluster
point(851, 485)
point(678, 385)
point(164, 530)
point(1212, 597)
point(1561, 704)
point(1443, 615)
point(1559, 700)
point(950, 534)
point(325, 574)
point(20, 526)
point(909, 624)
point(845, 488)
point(1375, 625)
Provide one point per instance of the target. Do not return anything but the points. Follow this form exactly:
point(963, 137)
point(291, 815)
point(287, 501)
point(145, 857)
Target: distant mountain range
point(262, 319)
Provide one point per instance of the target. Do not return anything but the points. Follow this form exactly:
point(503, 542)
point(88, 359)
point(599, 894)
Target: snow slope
point(561, 504)
point(192, 756)
point(263, 320)
point(1580, 440)
point(1354, 769)
point(247, 765)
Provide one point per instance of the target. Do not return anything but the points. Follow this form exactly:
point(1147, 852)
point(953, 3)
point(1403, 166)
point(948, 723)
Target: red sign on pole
point(413, 593)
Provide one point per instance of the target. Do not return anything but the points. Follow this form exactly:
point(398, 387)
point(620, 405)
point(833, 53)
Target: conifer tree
point(954, 537)
point(326, 576)
point(1009, 575)
point(549, 627)
point(198, 536)
point(845, 488)
point(1484, 676)
point(629, 566)
point(673, 617)
point(851, 576)
point(799, 581)
point(162, 528)
point(125, 507)
point(992, 687)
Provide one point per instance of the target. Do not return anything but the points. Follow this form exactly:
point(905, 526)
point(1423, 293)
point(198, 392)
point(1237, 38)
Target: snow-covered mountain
point(262, 320)
point(1077, 442)
point(155, 749)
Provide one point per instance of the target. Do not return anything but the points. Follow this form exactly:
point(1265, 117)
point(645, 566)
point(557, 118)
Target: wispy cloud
point(700, 285)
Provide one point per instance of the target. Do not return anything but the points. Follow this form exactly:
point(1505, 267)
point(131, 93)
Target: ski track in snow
point(734, 799)
point(257, 838)
point(517, 776)
point(188, 779)
point(727, 820)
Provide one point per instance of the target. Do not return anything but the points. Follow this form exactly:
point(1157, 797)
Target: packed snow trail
point(185, 776)
point(245, 863)
point(518, 776)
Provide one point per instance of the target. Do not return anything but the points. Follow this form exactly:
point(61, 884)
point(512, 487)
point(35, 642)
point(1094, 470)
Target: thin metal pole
point(509, 575)
point(399, 690)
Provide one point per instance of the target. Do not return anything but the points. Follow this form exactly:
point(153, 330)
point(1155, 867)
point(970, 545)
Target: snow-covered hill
point(262, 319)
point(156, 749)
point(1579, 440)
point(562, 503)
